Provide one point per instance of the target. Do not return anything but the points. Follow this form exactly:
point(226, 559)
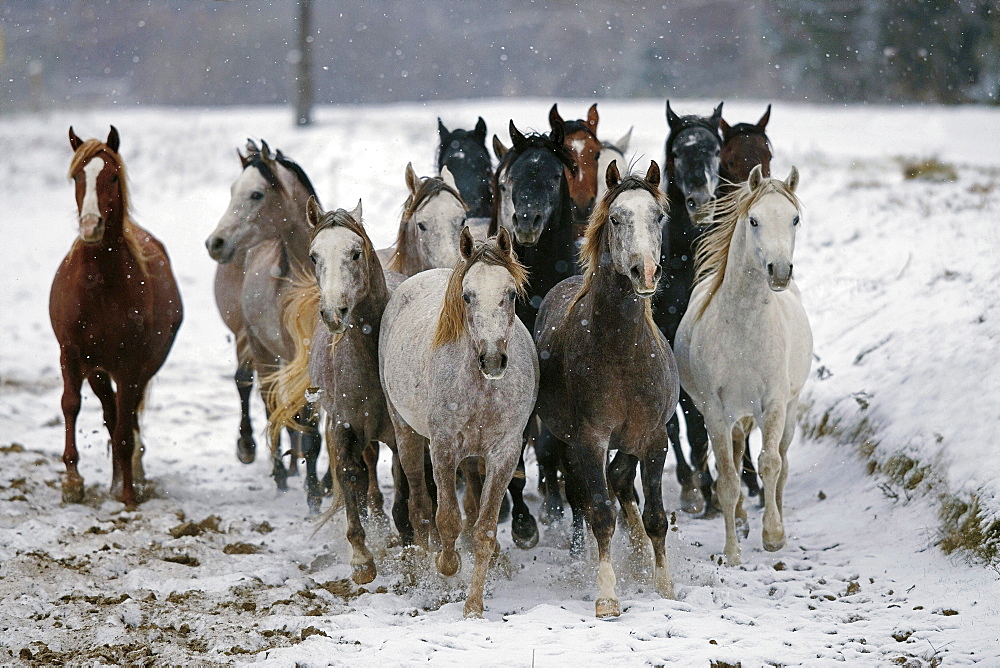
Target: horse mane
point(300, 308)
point(85, 152)
point(712, 254)
point(265, 165)
point(579, 125)
point(595, 237)
point(451, 323)
point(688, 122)
point(534, 140)
point(428, 187)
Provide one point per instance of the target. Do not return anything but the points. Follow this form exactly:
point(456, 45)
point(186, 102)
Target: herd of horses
point(553, 299)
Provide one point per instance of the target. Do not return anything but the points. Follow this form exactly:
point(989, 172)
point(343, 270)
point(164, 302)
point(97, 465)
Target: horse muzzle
point(779, 275)
point(91, 228)
point(493, 366)
point(335, 319)
point(220, 249)
point(645, 275)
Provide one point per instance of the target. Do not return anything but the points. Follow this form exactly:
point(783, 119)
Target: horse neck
point(616, 313)
point(114, 249)
point(369, 308)
point(295, 237)
point(680, 234)
point(744, 280)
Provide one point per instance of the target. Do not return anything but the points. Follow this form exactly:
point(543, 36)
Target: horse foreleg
point(654, 519)
point(786, 441)
point(728, 486)
point(576, 495)
point(72, 487)
point(698, 440)
point(499, 470)
point(448, 516)
point(740, 437)
point(246, 447)
point(770, 469)
point(523, 527)
point(589, 457)
point(621, 478)
point(345, 449)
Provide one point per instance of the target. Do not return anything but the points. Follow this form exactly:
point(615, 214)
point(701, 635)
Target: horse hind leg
point(72, 486)
point(411, 447)
point(750, 471)
point(547, 453)
point(246, 447)
point(589, 456)
point(310, 444)
point(654, 519)
point(692, 500)
point(376, 501)
point(741, 433)
point(698, 439)
point(499, 471)
point(470, 468)
point(123, 444)
point(621, 478)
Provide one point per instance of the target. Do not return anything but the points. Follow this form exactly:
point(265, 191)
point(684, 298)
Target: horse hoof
point(524, 531)
point(733, 559)
point(607, 607)
point(448, 562)
point(743, 527)
point(665, 587)
point(692, 501)
point(711, 512)
point(363, 573)
point(552, 512)
point(72, 492)
point(775, 544)
point(246, 451)
point(753, 489)
point(472, 611)
point(315, 504)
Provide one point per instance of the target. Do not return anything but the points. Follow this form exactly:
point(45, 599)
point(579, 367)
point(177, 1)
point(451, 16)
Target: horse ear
point(314, 213)
point(793, 179)
point(448, 178)
point(716, 116)
point(411, 178)
point(623, 141)
point(611, 177)
point(265, 151)
point(480, 130)
point(762, 123)
point(653, 174)
point(558, 134)
point(672, 118)
point(466, 243)
point(113, 139)
point(515, 135)
point(724, 127)
point(442, 130)
point(498, 148)
point(592, 118)
point(756, 177)
point(74, 141)
point(504, 243)
point(244, 160)
point(356, 214)
point(554, 116)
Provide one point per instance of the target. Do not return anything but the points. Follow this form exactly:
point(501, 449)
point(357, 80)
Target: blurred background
point(57, 54)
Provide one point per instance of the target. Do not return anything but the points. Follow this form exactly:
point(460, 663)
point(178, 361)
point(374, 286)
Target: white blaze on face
point(438, 225)
point(489, 311)
point(636, 237)
point(90, 205)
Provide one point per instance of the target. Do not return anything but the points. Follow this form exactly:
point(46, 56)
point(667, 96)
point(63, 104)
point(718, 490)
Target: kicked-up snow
point(899, 277)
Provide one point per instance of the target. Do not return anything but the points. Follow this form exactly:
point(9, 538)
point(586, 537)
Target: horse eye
point(753, 222)
point(357, 253)
point(614, 221)
point(312, 256)
point(795, 221)
point(114, 178)
point(422, 227)
point(256, 194)
point(512, 295)
point(503, 187)
point(467, 299)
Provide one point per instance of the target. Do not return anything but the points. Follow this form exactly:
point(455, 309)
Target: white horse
point(459, 368)
point(433, 218)
point(744, 346)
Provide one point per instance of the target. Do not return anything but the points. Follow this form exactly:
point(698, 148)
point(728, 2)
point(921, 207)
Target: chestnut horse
point(580, 137)
point(115, 309)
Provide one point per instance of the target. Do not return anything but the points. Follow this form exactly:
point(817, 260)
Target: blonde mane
point(451, 323)
point(595, 238)
point(85, 153)
point(712, 253)
point(428, 188)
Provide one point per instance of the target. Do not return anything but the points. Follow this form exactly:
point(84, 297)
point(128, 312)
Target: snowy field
point(900, 278)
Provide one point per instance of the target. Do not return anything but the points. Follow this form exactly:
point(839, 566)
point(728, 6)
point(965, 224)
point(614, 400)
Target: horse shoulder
point(555, 304)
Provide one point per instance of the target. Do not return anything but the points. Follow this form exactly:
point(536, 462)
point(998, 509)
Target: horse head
point(744, 146)
point(692, 157)
point(772, 219)
point(433, 218)
point(464, 153)
point(580, 137)
point(99, 178)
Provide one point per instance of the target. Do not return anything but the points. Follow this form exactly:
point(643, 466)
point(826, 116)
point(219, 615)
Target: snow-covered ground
point(899, 277)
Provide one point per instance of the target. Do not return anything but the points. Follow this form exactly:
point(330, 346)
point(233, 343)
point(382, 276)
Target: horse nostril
point(215, 244)
point(482, 361)
point(342, 312)
point(636, 272)
point(790, 270)
point(503, 361)
point(657, 274)
point(691, 204)
point(770, 269)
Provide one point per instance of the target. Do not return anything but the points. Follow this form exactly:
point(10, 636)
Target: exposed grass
point(964, 528)
point(929, 169)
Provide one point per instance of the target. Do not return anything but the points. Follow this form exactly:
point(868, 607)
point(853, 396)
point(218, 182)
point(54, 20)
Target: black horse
point(464, 153)
point(533, 201)
point(692, 175)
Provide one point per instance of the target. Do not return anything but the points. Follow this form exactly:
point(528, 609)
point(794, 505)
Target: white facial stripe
point(91, 171)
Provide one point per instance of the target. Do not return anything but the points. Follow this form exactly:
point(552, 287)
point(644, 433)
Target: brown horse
point(581, 139)
point(115, 309)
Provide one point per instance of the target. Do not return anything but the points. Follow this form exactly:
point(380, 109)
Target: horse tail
point(290, 383)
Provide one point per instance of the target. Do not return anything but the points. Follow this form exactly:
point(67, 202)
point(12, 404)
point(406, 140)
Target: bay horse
point(464, 153)
point(115, 310)
point(691, 176)
point(264, 231)
point(744, 146)
point(459, 370)
point(608, 378)
point(434, 216)
point(744, 346)
point(532, 200)
point(335, 318)
point(580, 136)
